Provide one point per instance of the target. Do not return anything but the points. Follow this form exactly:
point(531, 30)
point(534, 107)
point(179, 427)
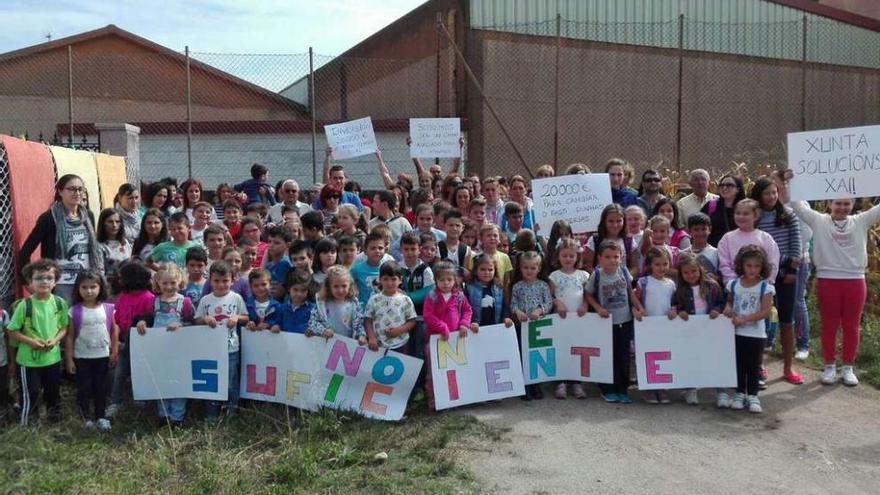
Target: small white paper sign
point(435, 138)
point(579, 199)
point(835, 163)
point(698, 353)
point(188, 363)
point(351, 139)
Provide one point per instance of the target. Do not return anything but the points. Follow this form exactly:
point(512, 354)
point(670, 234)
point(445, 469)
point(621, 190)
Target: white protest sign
point(282, 368)
point(351, 139)
point(482, 366)
point(188, 363)
point(435, 138)
point(835, 163)
point(576, 348)
point(578, 199)
point(698, 353)
point(373, 384)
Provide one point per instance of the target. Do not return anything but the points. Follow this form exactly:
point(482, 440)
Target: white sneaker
point(829, 376)
point(112, 410)
point(739, 402)
point(723, 401)
point(754, 404)
point(89, 425)
point(848, 375)
point(802, 355)
point(691, 397)
point(104, 424)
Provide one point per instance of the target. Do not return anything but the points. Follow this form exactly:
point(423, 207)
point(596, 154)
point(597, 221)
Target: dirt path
point(810, 439)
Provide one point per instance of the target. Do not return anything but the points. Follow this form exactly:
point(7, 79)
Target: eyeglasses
point(654, 179)
point(725, 185)
point(75, 190)
point(291, 191)
point(335, 196)
point(44, 278)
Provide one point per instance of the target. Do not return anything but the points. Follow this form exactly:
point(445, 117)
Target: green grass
point(267, 449)
point(868, 358)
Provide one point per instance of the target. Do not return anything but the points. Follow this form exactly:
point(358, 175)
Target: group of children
point(390, 291)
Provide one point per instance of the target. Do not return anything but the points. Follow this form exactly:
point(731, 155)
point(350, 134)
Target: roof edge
point(830, 12)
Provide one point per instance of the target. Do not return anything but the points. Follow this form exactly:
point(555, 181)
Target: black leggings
point(622, 337)
point(92, 380)
point(749, 351)
point(784, 300)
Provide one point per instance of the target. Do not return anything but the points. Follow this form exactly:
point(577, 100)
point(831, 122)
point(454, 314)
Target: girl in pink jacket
point(746, 216)
point(446, 310)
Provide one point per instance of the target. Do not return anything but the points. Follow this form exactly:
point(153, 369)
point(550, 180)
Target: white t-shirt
point(747, 301)
point(221, 308)
point(93, 341)
point(569, 287)
point(658, 296)
point(198, 235)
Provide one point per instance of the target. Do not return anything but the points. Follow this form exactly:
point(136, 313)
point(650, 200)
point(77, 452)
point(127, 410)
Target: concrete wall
point(227, 158)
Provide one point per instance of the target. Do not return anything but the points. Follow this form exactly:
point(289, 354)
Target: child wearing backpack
point(38, 325)
point(91, 347)
point(610, 294)
point(446, 310)
point(749, 302)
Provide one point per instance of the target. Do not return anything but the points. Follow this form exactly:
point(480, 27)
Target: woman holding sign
point(840, 256)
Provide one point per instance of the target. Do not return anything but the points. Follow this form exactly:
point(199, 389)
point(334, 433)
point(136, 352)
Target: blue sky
point(229, 26)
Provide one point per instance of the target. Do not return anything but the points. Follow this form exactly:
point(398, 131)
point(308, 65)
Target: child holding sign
point(840, 255)
point(656, 292)
point(698, 294)
point(749, 302)
point(337, 310)
point(486, 295)
point(446, 310)
point(389, 315)
point(530, 299)
point(171, 310)
point(610, 293)
point(567, 285)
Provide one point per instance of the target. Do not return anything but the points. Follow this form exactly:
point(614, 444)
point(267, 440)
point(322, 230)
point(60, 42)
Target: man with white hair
point(694, 202)
point(289, 194)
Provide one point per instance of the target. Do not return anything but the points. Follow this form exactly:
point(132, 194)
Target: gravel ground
point(810, 439)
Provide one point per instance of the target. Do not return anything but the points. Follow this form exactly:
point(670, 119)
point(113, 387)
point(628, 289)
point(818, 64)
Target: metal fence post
point(312, 112)
point(70, 96)
point(804, 74)
point(188, 116)
point(556, 95)
point(680, 91)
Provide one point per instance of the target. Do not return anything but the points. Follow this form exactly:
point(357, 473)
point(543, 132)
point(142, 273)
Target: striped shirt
point(787, 237)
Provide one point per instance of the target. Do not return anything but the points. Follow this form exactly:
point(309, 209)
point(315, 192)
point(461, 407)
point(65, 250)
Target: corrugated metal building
point(696, 82)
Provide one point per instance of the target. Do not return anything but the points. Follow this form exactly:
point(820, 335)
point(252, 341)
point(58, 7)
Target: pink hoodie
point(443, 317)
point(733, 241)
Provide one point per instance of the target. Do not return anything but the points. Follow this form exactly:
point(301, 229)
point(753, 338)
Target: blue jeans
point(212, 410)
point(120, 375)
point(801, 315)
point(173, 409)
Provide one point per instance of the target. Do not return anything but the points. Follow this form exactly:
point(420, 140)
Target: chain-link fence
point(7, 278)
point(677, 94)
